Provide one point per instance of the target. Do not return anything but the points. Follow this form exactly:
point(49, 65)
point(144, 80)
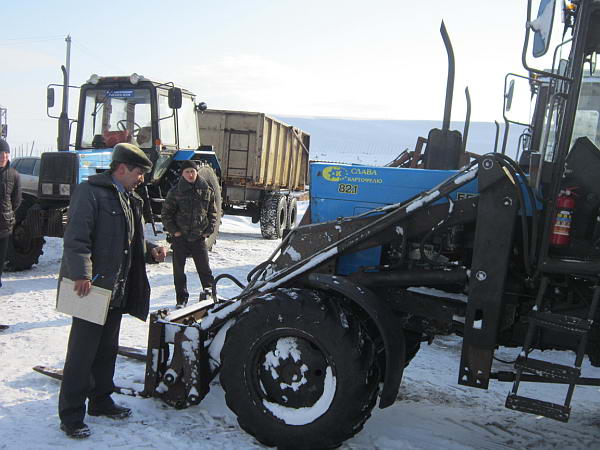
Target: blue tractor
point(388, 258)
point(160, 118)
point(496, 252)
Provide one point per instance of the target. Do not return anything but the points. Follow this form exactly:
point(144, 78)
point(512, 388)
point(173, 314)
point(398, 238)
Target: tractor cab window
point(187, 125)
point(167, 121)
point(587, 117)
point(113, 116)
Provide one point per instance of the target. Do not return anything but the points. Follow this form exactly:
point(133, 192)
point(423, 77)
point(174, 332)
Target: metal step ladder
point(153, 217)
point(556, 373)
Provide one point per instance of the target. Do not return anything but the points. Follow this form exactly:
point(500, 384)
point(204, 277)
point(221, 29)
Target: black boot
point(77, 430)
point(113, 412)
point(3, 327)
point(181, 303)
point(206, 294)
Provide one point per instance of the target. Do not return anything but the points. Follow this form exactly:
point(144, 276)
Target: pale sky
point(382, 59)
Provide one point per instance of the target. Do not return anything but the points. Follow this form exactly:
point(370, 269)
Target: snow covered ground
point(432, 411)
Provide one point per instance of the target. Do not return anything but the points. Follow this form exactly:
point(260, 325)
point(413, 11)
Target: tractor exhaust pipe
point(450, 80)
point(467, 121)
point(444, 146)
point(63, 121)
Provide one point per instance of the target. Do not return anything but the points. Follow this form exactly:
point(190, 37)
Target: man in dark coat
point(104, 244)
point(189, 214)
point(10, 199)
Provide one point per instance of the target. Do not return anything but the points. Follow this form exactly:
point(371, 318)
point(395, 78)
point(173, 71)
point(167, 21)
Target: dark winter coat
point(10, 198)
point(190, 208)
point(96, 244)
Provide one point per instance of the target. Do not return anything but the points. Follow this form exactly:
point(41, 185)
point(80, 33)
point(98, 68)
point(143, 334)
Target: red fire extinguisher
point(561, 229)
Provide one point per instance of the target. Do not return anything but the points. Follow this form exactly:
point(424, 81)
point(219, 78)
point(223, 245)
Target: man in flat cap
point(104, 244)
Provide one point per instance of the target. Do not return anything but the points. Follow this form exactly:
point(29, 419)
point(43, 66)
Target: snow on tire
point(298, 372)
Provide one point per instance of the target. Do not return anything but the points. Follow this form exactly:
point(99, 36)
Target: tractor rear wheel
point(273, 215)
point(207, 172)
point(299, 372)
point(24, 250)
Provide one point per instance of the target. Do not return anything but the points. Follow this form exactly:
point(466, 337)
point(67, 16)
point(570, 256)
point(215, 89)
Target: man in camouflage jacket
point(189, 214)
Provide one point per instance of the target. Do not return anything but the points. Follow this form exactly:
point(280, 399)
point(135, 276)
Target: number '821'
point(348, 188)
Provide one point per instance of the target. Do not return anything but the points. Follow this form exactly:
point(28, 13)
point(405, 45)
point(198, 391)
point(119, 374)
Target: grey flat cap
point(131, 154)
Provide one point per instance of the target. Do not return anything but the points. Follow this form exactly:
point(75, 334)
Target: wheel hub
point(291, 371)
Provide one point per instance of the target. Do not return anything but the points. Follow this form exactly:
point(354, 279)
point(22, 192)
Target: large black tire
point(295, 350)
point(23, 250)
point(412, 344)
point(292, 213)
point(211, 178)
point(273, 215)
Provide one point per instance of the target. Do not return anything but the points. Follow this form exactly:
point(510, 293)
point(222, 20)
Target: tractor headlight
point(64, 189)
point(47, 188)
point(134, 78)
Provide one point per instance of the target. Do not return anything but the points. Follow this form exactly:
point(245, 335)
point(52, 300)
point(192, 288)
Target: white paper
point(93, 307)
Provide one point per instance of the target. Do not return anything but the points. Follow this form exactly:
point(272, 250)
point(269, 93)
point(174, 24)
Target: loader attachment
point(177, 369)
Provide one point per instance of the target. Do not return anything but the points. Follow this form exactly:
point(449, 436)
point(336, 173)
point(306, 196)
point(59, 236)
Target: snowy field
point(432, 411)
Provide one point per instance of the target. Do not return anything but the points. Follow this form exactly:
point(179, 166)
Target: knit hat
point(189, 164)
point(4, 147)
point(130, 154)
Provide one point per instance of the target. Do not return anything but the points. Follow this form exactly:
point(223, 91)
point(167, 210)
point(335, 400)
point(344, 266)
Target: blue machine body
point(206, 156)
point(343, 190)
point(92, 161)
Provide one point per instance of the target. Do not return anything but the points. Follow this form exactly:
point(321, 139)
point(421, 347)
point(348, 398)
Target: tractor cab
point(157, 117)
point(160, 118)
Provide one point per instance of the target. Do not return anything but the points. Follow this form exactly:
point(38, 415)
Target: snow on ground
point(432, 410)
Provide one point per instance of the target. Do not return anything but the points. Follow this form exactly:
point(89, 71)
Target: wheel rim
point(293, 214)
point(291, 376)
point(282, 218)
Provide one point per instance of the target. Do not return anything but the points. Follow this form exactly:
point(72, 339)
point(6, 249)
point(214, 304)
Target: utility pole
point(63, 120)
point(3, 122)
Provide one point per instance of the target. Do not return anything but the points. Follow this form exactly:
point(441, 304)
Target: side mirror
point(519, 85)
point(201, 106)
point(509, 94)
point(175, 98)
point(542, 27)
point(50, 97)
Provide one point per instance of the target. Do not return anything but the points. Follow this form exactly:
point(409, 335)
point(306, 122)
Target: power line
point(56, 36)
point(90, 54)
point(27, 41)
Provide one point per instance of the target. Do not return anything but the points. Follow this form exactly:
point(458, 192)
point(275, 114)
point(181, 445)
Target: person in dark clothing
point(10, 199)
point(189, 214)
point(104, 243)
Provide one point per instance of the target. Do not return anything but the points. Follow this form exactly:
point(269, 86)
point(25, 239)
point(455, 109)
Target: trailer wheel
point(207, 172)
point(298, 373)
point(23, 250)
point(292, 213)
point(273, 215)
